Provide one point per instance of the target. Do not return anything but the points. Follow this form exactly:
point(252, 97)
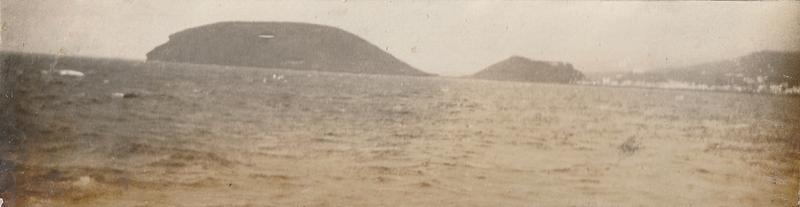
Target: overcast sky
point(444, 37)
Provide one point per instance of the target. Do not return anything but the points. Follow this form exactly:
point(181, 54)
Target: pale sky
point(443, 37)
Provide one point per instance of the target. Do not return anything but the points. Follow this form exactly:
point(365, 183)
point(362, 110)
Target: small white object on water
point(397, 108)
point(70, 73)
point(125, 95)
point(105, 81)
point(83, 181)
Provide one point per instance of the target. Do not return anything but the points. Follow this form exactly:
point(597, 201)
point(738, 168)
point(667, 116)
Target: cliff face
point(522, 69)
point(279, 45)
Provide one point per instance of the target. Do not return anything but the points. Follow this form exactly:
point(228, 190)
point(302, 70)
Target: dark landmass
point(285, 45)
point(523, 69)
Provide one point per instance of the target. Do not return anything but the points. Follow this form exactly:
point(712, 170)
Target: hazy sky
point(444, 37)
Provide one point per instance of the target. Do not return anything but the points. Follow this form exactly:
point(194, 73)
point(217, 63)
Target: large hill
point(287, 45)
point(518, 68)
point(764, 71)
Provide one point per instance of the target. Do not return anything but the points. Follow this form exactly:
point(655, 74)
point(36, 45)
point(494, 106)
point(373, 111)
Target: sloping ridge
point(288, 45)
point(518, 68)
point(758, 68)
